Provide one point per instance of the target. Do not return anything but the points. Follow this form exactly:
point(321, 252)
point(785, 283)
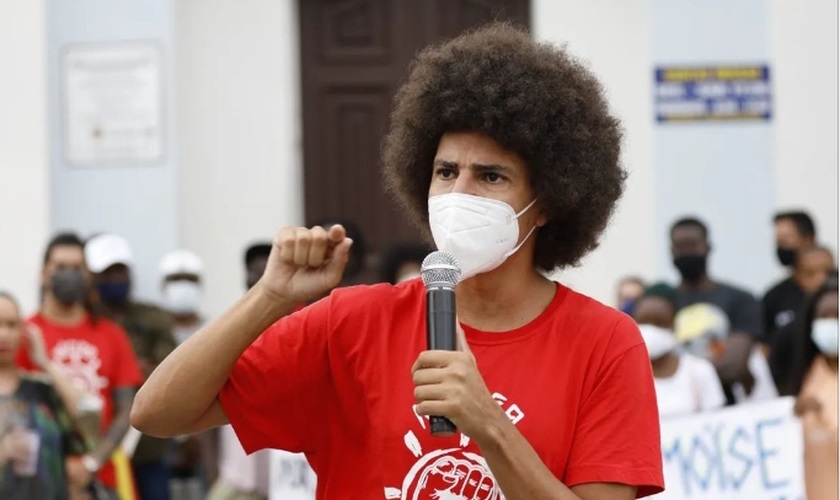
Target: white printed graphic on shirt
point(79, 359)
point(449, 474)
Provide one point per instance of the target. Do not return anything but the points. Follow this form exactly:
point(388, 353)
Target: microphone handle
point(440, 335)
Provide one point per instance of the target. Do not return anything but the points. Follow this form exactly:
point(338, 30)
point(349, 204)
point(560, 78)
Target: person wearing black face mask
point(69, 286)
point(690, 250)
point(813, 267)
point(795, 233)
point(150, 328)
point(93, 352)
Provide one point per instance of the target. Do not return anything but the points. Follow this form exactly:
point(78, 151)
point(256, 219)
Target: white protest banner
point(291, 477)
point(752, 451)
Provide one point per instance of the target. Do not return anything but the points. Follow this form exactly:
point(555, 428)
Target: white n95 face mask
point(481, 233)
point(659, 341)
point(824, 334)
point(181, 297)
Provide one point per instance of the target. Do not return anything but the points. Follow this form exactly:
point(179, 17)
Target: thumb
point(461, 343)
point(340, 256)
point(337, 233)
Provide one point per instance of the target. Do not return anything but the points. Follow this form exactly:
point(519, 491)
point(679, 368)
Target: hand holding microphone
point(447, 384)
point(440, 273)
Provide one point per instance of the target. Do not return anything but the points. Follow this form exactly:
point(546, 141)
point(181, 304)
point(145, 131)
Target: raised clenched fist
point(305, 263)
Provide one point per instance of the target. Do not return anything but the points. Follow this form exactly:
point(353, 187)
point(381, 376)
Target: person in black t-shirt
point(794, 231)
point(728, 347)
point(814, 266)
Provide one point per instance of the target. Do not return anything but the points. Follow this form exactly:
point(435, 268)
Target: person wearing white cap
point(109, 258)
point(181, 272)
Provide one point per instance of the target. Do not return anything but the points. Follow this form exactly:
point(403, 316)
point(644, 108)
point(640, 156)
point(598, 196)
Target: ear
point(542, 218)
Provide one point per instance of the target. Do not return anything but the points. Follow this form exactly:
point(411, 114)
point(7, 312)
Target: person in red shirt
point(505, 150)
point(94, 352)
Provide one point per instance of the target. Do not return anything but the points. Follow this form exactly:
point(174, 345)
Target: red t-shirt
point(334, 381)
point(98, 357)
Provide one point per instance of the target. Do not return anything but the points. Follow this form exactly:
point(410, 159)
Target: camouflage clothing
point(150, 330)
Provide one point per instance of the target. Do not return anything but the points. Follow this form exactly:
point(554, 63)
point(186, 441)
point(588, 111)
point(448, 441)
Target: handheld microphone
point(440, 273)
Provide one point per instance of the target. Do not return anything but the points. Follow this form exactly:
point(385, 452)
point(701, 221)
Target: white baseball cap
point(181, 262)
point(105, 250)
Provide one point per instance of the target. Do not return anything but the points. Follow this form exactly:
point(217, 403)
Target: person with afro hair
point(504, 152)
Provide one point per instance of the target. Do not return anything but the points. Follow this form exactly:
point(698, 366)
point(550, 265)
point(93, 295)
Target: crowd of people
point(90, 345)
point(713, 344)
point(69, 373)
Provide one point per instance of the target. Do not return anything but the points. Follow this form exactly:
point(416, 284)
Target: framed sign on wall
point(112, 103)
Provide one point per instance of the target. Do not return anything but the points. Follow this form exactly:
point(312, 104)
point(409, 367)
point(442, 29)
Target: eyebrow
point(481, 167)
point(492, 167)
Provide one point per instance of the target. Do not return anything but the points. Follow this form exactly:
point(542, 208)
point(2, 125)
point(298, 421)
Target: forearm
point(113, 436)
point(185, 385)
point(518, 470)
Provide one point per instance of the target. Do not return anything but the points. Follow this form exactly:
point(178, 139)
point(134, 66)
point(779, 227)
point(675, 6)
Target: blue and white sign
point(713, 93)
point(753, 451)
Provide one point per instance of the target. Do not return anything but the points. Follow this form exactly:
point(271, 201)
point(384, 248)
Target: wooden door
point(354, 54)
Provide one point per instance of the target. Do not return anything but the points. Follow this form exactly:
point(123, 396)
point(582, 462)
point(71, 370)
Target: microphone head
point(440, 269)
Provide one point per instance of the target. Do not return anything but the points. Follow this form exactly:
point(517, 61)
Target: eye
point(445, 173)
point(493, 177)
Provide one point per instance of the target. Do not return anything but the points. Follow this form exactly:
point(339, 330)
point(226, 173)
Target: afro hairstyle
point(532, 98)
